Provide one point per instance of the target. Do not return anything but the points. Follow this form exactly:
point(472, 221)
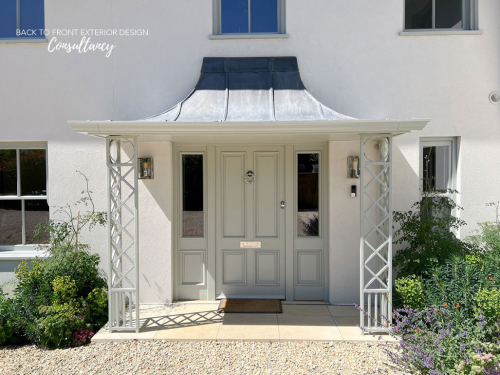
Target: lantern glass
point(353, 167)
point(146, 171)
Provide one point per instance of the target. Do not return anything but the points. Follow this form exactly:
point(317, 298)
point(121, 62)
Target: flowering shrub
point(447, 290)
point(436, 341)
point(81, 337)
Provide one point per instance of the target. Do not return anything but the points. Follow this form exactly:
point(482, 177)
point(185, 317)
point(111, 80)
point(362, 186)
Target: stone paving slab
point(202, 322)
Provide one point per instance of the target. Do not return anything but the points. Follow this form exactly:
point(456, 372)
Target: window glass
point(234, 14)
point(11, 225)
point(37, 212)
point(308, 194)
point(418, 14)
point(192, 195)
point(264, 16)
point(33, 172)
point(8, 18)
point(32, 16)
point(436, 168)
point(8, 172)
point(449, 14)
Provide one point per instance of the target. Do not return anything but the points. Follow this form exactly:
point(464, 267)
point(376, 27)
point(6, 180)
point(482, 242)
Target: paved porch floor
point(201, 321)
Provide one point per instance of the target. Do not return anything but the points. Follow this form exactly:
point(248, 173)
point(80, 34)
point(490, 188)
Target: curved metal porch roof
point(257, 89)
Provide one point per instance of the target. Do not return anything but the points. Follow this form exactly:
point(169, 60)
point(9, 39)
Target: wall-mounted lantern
point(353, 167)
point(146, 171)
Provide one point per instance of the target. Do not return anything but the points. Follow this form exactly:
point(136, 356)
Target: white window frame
point(451, 142)
point(470, 21)
point(23, 251)
point(217, 24)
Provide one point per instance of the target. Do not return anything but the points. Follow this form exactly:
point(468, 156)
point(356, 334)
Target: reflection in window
point(23, 174)
point(33, 172)
point(192, 195)
point(249, 16)
point(447, 14)
point(436, 167)
point(308, 194)
point(11, 225)
point(8, 172)
point(37, 212)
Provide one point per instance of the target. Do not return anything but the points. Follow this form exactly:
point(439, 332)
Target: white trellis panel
point(123, 233)
point(376, 232)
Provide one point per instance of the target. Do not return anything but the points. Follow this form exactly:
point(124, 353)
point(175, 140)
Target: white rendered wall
point(351, 58)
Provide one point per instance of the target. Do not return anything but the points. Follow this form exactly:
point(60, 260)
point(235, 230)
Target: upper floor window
point(249, 16)
point(21, 19)
point(23, 193)
point(440, 14)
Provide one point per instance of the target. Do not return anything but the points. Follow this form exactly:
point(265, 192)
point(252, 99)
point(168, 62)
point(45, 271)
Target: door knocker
point(248, 176)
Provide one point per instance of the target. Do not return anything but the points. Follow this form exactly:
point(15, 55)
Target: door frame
point(290, 168)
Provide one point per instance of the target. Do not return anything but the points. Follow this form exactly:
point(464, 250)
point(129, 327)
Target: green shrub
point(488, 304)
point(63, 317)
point(65, 293)
point(80, 266)
point(96, 308)
point(33, 290)
point(6, 320)
point(426, 235)
point(410, 291)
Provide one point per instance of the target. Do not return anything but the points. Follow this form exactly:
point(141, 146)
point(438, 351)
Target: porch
point(253, 134)
point(197, 321)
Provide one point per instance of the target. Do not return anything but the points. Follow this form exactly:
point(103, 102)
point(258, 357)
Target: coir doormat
point(261, 306)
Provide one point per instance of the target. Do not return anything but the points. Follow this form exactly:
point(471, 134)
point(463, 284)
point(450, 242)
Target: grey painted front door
point(250, 222)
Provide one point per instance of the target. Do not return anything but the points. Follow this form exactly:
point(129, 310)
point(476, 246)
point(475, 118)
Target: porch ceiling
point(262, 98)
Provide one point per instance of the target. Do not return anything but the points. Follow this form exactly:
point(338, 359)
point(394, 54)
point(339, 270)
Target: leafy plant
point(66, 292)
point(487, 237)
point(410, 290)
point(65, 233)
point(63, 317)
point(426, 234)
point(6, 320)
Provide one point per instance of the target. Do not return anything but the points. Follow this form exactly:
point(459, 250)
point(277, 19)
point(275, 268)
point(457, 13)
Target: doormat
point(252, 306)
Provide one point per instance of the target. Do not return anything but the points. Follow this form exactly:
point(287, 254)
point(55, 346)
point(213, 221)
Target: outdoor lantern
point(353, 167)
point(145, 168)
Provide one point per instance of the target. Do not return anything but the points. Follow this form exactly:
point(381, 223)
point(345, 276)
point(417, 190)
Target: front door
point(250, 222)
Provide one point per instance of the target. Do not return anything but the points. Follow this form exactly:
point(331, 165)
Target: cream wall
point(351, 58)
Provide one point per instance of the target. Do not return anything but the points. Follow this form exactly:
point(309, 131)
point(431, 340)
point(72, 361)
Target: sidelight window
point(192, 196)
point(308, 194)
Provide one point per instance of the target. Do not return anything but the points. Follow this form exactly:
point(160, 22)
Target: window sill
point(248, 36)
point(439, 32)
point(20, 252)
point(23, 40)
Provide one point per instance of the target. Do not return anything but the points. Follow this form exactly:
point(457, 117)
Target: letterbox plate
point(250, 245)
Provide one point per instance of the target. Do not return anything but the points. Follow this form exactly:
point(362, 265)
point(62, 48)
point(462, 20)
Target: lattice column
point(123, 233)
point(376, 231)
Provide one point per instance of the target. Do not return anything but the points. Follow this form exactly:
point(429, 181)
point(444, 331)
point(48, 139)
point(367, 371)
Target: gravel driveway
point(200, 358)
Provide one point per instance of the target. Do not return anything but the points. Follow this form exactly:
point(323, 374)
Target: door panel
point(250, 243)
point(233, 194)
point(266, 194)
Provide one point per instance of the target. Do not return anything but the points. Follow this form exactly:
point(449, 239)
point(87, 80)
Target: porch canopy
point(258, 100)
point(259, 97)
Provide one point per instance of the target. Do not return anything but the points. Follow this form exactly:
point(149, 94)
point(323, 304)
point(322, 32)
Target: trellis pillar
point(376, 232)
point(123, 233)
